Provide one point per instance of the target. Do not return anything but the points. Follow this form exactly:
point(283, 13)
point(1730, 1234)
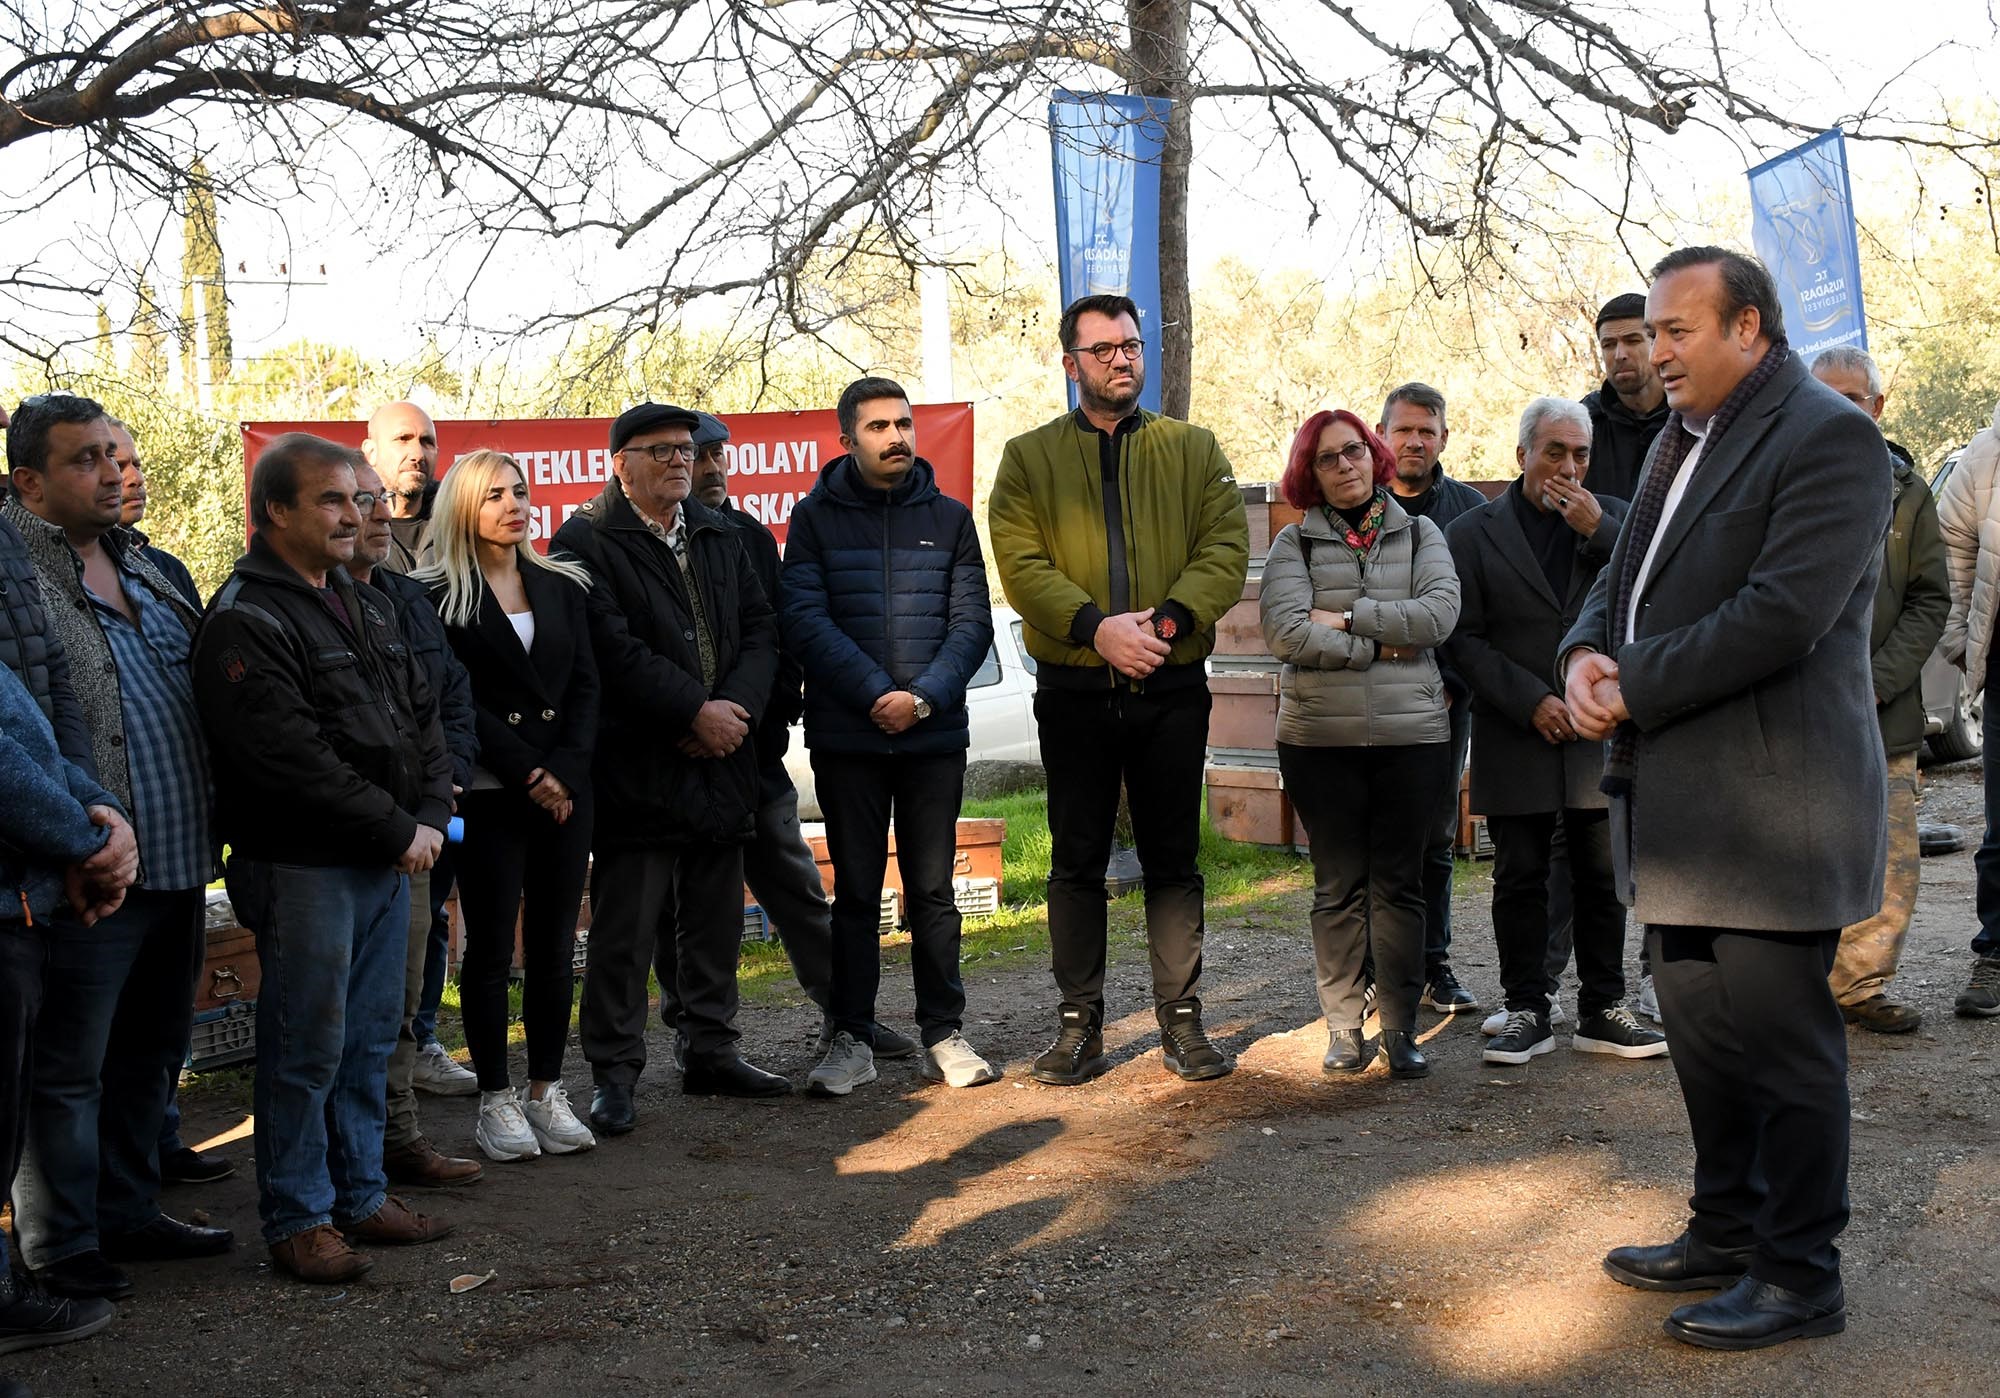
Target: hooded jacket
point(1619, 441)
point(884, 590)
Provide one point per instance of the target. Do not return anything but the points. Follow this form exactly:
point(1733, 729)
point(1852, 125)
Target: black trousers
point(1367, 812)
point(1442, 840)
point(24, 951)
point(677, 910)
point(515, 859)
point(1521, 923)
point(1562, 917)
point(1155, 743)
point(1761, 1052)
point(859, 796)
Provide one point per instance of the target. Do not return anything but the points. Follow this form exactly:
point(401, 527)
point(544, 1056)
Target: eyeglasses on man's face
point(1106, 351)
point(664, 452)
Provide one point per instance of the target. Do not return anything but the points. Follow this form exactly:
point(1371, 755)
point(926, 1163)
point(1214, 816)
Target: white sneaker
point(503, 1131)
point(848, 1064)
point(1497, 1021)
point(438, 1072)
point(955, 1063)
point(1649, 1000)
point(557, 1131)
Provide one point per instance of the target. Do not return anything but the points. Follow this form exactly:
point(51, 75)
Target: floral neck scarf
point(1359, 537)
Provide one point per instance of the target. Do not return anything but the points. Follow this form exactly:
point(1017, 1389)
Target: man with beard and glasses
point(1120, 539)
point(1413, 424)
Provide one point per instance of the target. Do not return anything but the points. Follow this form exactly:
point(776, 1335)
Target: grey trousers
point(402, 1128)
point(676, 910)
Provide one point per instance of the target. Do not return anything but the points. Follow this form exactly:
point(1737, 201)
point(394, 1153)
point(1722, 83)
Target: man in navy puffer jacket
point(887, 610)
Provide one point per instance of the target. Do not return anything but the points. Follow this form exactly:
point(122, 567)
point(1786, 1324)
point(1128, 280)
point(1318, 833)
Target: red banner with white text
point(774, 458)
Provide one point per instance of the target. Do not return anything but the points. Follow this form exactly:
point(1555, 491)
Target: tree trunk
point(1160, 65)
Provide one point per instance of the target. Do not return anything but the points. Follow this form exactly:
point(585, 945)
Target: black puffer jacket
point(28, 647)
point(642, 630)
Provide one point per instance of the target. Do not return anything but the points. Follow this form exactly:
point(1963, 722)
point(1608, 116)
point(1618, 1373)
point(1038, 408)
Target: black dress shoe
point(1754, 1314)
point(85, 1276)
point(1682, 1265)
point(188, 1166)
point(166, 1239)
point(730, 1077)
point(1399, 1046)
point(1347, 1051)
point(611, 1109)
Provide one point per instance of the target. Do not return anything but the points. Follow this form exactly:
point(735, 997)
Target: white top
point(524, 627)
point(1675, 492)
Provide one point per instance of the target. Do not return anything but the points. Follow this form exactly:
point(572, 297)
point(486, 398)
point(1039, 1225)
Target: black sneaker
point(1075, 1057)
point(1616, 1032)
point(1185, 1047)
point(30, 1317)
point(1443, 993)
point(1525, 1035)
point(1981, 997)
point(184, 1165)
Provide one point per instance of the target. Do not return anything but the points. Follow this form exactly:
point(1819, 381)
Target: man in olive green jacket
point(1911, 604)
point(1120, 540)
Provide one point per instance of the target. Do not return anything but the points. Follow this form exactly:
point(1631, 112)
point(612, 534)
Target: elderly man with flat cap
point(687, 644)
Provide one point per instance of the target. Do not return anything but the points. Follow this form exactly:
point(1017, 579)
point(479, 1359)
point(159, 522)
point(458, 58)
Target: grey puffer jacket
point(1336, 690)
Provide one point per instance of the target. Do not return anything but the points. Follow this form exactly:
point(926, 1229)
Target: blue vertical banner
point(1802, 223)
point(1107, 150)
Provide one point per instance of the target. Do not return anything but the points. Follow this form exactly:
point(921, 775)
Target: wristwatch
point(923, 706)
point(1166, 628)
point(1347, 619)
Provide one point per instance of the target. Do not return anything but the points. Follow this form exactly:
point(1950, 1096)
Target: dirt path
point(1270, 1233)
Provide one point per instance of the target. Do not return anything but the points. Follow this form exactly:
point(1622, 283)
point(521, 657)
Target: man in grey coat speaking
point(1723, 652)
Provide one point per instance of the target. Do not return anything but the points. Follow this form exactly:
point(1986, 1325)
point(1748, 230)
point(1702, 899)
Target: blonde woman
point(516, 620)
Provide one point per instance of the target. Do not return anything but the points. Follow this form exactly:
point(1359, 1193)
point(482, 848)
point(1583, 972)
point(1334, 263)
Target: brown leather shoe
point(422, 1165)
point(320, 1255)
point(396, 1224)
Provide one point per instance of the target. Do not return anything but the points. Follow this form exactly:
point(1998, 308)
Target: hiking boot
point(1615, 1032)
point(1075, 1057)
point(321, 1256)
point(1443, 993)
point(954, 1062)
point(1399, 1046)
point(436, 1071)
point(848, 1064)
point(1981, 997)
point(1347, 1051)
point(1883, 1015)
point(30, 1317)
point(1185, 1048)
point(1526, 1035)
point(396, 1224)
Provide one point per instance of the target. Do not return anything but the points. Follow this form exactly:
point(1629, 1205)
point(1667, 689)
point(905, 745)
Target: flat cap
point(709, 430)
point(648, 417)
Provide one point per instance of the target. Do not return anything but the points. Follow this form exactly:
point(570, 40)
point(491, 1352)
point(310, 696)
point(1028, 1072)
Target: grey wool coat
point(1510, 622)
point(1336, 690)
point(1758, 798)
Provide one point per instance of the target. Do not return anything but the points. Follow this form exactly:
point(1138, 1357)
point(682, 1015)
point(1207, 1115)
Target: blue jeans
point(1986, 862)
point(116, 1003)
point(24, 951)
point(424, 1023)
point(332, 943)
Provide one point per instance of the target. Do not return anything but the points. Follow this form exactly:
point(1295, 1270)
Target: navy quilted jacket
point(884, 590)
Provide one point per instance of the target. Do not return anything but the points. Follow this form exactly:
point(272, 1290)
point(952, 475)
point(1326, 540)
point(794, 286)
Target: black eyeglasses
point(1354, 453)
point(1106, 351)
point(663, 452)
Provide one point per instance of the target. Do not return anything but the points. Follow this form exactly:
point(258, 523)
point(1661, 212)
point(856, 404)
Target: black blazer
point(1759, 769)
point(1510, 622)
point(534, 708)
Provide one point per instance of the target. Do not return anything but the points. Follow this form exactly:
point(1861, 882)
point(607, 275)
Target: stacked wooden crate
point(1246, 795)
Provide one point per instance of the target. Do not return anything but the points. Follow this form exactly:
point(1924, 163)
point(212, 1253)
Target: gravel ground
point(1269, 1233)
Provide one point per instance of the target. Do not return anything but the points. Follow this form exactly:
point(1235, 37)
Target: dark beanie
point(1630, 306)
point(646, 418)
point(709, 429)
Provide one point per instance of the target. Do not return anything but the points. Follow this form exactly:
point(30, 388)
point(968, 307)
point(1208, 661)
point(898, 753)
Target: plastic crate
point(224, 1036)
point(892, 911)
point(581, 954)
point(976, 897)
point(756, 927)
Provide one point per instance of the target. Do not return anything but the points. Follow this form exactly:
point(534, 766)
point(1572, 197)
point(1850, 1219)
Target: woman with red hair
point(1355, 601)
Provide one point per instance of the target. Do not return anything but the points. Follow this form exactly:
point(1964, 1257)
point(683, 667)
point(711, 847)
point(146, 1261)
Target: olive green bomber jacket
point(1186, 540)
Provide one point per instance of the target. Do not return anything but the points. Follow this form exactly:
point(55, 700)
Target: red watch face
point(1166, 628)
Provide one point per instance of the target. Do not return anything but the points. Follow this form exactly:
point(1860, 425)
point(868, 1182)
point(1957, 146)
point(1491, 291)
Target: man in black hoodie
point(1413, 424)
point(1630, 408)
